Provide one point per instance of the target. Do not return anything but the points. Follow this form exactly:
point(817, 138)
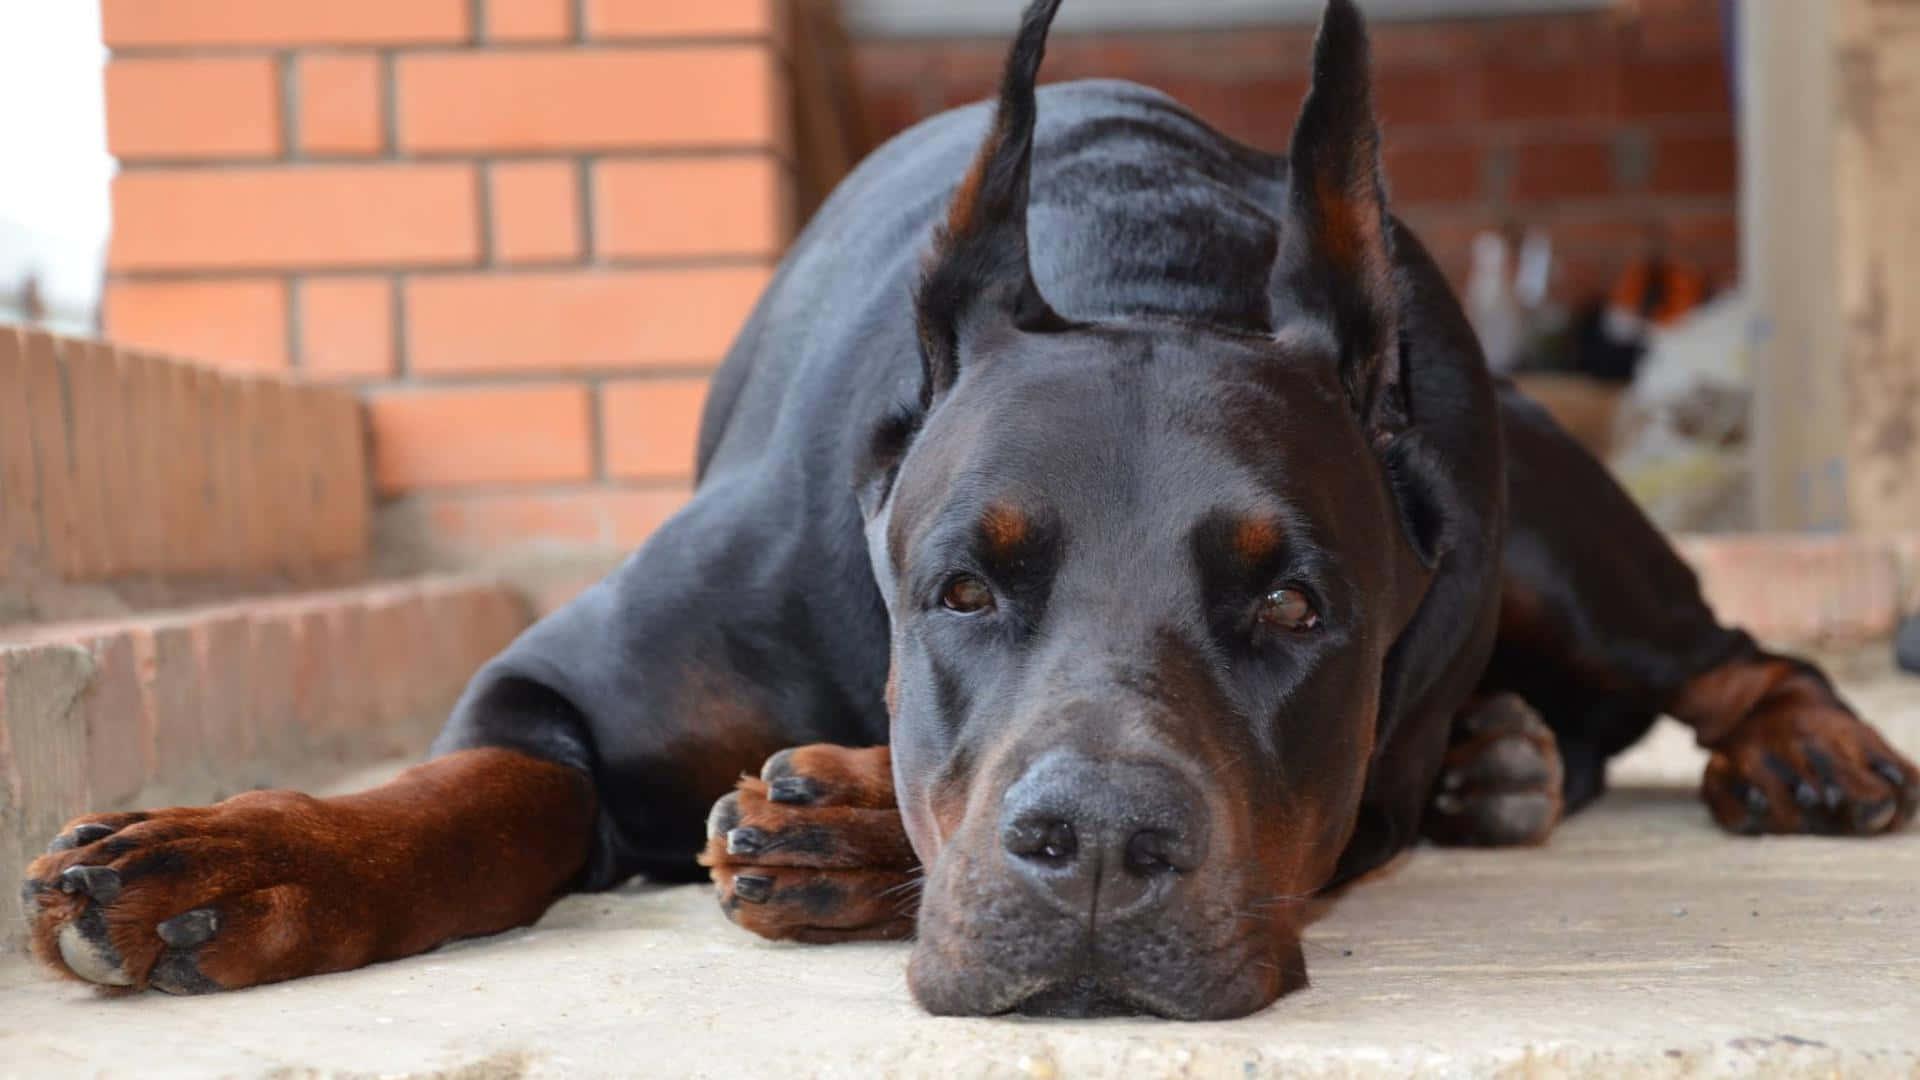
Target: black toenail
point(753, 888)
point(100, 882)
point(179, 973)
point(193, 928)
point(80, 837)
point(1891, 773)
point(776, 766)
point(724, 815)
point(1873, 817)
point(793, 789)
point(745, 840)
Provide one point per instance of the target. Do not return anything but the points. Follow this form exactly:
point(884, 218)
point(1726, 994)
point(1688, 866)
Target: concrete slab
point(1641, 942)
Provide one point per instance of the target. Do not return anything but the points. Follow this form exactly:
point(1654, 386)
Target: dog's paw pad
point(1501, 783)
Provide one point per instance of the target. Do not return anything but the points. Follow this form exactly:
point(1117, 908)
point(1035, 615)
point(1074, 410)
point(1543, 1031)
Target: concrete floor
point(1641, 942)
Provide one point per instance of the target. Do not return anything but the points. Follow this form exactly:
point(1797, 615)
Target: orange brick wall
point(526, 230)
point(1590, 125)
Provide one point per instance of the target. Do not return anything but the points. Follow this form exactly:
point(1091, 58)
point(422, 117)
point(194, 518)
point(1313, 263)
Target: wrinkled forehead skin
point(1120, 447)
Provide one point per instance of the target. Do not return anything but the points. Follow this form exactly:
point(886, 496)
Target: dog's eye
point(967, 595)
point(1287, 609)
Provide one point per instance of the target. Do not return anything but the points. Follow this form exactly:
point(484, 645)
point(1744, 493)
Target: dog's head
point(1144, 577)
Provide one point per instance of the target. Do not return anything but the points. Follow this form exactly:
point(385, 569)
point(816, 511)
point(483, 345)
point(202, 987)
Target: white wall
point(54, 166)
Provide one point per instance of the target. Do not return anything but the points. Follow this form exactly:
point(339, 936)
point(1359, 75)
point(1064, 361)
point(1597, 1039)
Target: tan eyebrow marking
point(1254, 539)
point(1005, 526)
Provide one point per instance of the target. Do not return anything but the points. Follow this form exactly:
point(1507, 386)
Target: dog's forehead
point(1119, 430)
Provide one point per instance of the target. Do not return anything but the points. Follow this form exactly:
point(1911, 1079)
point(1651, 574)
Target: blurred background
point(527, 229)
point(305, 300)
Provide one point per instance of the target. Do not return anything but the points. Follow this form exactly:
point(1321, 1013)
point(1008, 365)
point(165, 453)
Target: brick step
point(1809, 590)
point(196, 705)
point(122, 472)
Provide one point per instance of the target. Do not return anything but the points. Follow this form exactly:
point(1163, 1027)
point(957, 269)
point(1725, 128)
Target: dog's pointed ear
point(979, 266)
point(1340, 262)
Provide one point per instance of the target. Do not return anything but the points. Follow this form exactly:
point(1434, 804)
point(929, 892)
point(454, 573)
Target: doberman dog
point(1108, 540)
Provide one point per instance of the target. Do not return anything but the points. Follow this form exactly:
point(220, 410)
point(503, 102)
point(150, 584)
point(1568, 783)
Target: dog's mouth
point(1083, 997)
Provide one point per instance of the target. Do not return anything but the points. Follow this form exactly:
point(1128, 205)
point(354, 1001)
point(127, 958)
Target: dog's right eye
point(967, 595)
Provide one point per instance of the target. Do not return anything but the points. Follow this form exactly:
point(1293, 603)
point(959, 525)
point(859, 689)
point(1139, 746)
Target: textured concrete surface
point(1640, 942)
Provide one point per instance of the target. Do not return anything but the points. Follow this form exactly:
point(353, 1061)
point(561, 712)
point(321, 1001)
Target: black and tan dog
point(1141, 503)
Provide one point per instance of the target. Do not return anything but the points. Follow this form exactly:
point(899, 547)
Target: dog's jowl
point(1109, 542)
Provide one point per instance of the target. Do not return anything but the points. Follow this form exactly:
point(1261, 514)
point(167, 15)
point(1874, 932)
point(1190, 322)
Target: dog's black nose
point(1102, 840)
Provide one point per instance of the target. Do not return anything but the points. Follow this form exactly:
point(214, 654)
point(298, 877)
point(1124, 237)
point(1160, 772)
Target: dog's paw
point(1501, 783)
point(1809, 768)
point(188, 900)
point(813, 849)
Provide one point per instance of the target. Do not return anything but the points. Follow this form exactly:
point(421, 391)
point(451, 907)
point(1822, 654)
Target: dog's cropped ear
point(979, 268)
point(1339, 263)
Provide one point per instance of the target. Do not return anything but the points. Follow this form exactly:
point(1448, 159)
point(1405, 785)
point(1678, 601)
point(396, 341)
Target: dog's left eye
point(1287, 609)
point(967, 595)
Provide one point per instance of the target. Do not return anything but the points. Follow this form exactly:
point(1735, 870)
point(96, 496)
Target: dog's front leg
point(273, 885)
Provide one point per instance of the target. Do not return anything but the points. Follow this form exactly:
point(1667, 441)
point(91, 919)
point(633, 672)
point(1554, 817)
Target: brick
point(346, 328)
point(400, 646)
point(679, 207)
point(1682, 32)
point(272, 475)
point(529, 20)
point(317, 680)
point(93, 517)
point(140, 519)
point(272, 705)
point(228, 464)
point(605, 518)
point(1562, 169)
point(1549, 93)
point(541, 99)
point(20, 500)
point(339, 104)
point(1800, 589)
point(1688, 86)
point(536, 211)
point(193, 107)
point(232, 324)
point(576, 321)
point(482, 436)
point(130, 24)
point(1695, 165)
point(193, 419)
point(177, 689)
point(342, 487)
point(100, 410)
point(1442, 97)
point(45, 748)
point(52, 452)
point(320, 216)
point(653, 18)
point(223, 651)
point(1253, 109)
point(1709, 237)
point(117, 716)
point(1433, 174)
point(648, 427)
